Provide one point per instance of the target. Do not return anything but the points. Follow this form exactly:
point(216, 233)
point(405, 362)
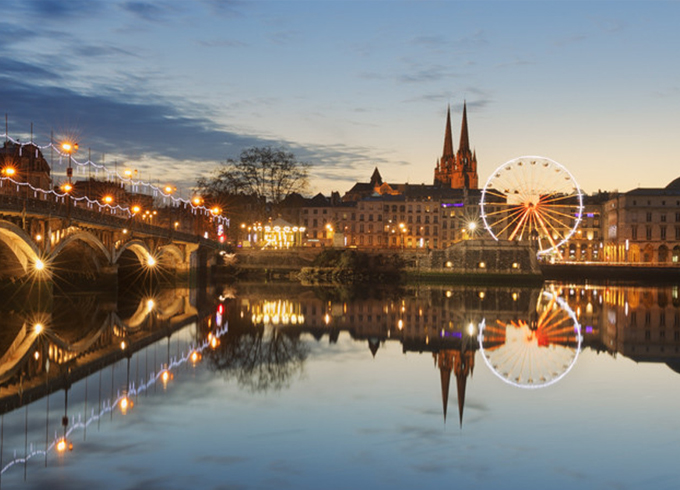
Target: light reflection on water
point(355, 391)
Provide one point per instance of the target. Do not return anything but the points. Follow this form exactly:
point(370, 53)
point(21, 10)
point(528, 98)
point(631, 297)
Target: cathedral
point(457, 170)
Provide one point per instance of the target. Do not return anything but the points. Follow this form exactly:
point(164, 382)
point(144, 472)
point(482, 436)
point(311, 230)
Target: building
point(457, 170)
point(25, 164)
point(381, 215)
point(643, 226)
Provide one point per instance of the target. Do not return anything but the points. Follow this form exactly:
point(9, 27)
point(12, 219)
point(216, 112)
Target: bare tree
point(267, 173)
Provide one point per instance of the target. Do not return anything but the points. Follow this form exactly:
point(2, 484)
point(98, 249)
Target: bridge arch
point(79, 256)
point(138, 247)
point(23, 249)
point(171, 256)
point(85, 237)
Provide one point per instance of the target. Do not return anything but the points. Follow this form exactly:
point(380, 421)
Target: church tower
point(457, 170)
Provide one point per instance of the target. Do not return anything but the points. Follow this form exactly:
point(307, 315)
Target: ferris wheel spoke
point(520, 226)
point(559, 197)
point(516, 217)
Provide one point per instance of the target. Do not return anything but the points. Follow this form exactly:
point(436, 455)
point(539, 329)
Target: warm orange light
point(61, 445)
point(136, 209)
point(197, 201)
point(69, 147)
point(126, 404)
point(165, 376)
point(9, 171)
point(216, 210)
point(108, 199)
point(168, 189)
point(195, 357)
point(67, 187)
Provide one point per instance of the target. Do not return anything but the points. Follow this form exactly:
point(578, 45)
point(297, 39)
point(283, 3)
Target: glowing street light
point(136, 209)
point(9, 171)
point(107, 199)
point(39, 265)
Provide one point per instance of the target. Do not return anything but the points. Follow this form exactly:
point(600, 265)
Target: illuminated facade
point(643, 226)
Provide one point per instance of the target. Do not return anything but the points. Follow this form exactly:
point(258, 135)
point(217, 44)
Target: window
point(633, 232)
point(663, 232)
point(648, 232)
point(649, 216)
point(663, 218)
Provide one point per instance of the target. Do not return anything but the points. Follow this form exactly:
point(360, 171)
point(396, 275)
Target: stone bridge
point(88, 244)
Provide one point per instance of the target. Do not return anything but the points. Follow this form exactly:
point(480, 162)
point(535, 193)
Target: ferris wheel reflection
point(535, 352)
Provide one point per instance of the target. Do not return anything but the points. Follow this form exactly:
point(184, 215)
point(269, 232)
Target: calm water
point(468, 387)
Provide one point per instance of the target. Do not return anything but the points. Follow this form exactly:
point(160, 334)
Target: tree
point(266, 173)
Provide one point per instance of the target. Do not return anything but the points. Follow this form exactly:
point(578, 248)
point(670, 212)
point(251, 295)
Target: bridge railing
point(62, 208)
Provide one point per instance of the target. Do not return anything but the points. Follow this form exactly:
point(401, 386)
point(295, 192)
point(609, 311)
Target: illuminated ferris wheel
point(533, 352)
point(532, 198)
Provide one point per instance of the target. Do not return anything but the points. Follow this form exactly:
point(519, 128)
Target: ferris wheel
point(532, 198)
point(534, 352)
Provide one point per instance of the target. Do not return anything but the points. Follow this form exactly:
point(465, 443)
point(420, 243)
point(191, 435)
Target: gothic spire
point(464, 140)
point(448, 138)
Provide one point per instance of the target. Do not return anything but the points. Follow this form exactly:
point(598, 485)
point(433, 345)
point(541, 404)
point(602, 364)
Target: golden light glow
point(216, 210)
point(9, 171)
point(150, 261)
point(108, 199)
point(123, 345)
point(125, 404)
point(39, 265)
point(61, 445)
point(36, 355)
point(197, 201)
point(38, 328)
point(67, 187)
point(168, 189)
point(136, 209)
point(150, 304)
point(195, 357)
point(38, 237)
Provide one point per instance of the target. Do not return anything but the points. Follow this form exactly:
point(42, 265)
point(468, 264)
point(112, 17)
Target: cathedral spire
point(464, 140)
point(448, 138)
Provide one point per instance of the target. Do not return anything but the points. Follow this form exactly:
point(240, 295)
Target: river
point(259, 386)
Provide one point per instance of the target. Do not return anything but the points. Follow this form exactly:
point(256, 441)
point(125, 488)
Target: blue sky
point(172, 88)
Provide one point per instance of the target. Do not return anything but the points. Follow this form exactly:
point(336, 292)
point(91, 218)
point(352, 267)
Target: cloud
point(432, 73)
point(12, 34)
point(148, 11)
point(19, 69)
point(58, 10)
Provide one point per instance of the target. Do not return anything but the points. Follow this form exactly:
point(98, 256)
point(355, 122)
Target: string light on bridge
point(67, 149)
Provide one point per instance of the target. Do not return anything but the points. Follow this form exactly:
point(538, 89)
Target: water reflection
point(536, 351)
point(96, 358)
point(59, 344)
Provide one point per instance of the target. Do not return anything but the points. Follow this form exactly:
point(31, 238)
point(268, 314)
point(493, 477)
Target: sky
point(173, 88)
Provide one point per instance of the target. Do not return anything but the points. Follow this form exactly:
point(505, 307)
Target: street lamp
point(69, 149)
